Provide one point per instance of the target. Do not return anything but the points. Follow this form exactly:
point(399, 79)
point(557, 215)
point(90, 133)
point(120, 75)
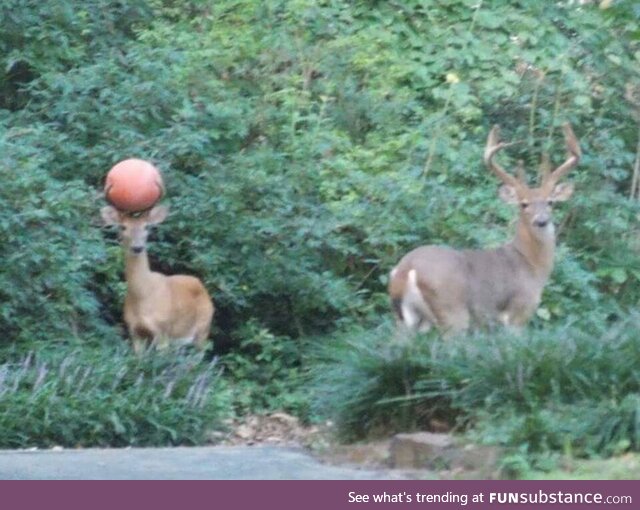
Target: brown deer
point(159, 310)
point(454, 289)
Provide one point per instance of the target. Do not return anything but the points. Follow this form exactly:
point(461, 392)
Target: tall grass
point(108, 397)
point(575, 387)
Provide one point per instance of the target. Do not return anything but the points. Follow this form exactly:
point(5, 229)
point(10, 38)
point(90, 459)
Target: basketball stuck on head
point(133, 186)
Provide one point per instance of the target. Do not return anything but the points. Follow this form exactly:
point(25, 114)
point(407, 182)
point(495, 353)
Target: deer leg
point(139, 346)
point(455, 322)
point(412, 320)
point(141, 338)
point(201, 336)
point(516, 324)
point(161, 342)
point(519, 313)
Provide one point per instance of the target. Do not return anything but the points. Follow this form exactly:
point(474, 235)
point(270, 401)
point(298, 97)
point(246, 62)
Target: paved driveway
point(197, 463)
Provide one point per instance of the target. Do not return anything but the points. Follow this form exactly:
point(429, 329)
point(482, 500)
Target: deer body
point(437, 285)
point(159, 309)
point(453, 289)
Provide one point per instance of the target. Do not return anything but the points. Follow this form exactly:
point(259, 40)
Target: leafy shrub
point(265, 373)
point(48, 247)
point(38, 39)
point(299, 172)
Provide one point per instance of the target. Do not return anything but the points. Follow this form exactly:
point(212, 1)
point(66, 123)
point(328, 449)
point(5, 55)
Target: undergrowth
point(573, 389)
point(108, 397)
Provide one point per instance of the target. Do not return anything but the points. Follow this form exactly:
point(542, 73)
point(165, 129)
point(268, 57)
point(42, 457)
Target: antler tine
point(545, 167)
point(574, 156)
point(492, 148)
point(106, 194)
point(520, 173)
point(160, 185)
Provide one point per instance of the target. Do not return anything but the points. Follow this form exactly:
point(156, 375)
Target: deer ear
point(508, 194)
point(110, 215)
point(561, 192)
point(158, 214)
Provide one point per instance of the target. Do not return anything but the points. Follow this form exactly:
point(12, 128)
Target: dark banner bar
point(320, 495)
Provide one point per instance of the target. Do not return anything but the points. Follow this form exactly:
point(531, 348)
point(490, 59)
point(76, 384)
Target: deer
point(159, 310)
point(454, 290)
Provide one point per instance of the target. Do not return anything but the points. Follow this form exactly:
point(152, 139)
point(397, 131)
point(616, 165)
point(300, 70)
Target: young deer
point(158, 309)
point(452, 289)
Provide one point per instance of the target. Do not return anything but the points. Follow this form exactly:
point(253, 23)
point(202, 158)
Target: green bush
point(266, 373)
point(50, 247)
point(299, 171)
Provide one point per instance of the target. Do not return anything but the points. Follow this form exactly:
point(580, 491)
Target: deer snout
point(541, 220)
point(137, 249)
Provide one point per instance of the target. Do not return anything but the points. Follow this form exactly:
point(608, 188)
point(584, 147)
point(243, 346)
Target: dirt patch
point(273, 429)
point(372, 454)
point(419, 455)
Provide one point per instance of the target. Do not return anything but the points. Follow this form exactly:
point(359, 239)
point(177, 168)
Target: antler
point(107, 189)
point(492, 148)
point(545, 167)
point(550, 179)
point(160, 186)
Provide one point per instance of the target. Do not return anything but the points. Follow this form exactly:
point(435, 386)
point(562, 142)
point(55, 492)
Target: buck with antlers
point(453, 289)
point(158, 309)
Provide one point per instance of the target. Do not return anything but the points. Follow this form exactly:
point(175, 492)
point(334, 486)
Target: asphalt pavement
point(178, 463)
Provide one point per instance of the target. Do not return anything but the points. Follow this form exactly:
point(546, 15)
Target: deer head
point(134, 229)
point(535, 203)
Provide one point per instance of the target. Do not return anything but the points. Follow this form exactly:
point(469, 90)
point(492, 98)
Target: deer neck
point(137, 272)
point(537, 249)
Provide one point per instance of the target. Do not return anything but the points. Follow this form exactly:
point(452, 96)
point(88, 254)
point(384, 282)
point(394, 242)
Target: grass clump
point(572, 389)
point(107, 397)
point(367, 384)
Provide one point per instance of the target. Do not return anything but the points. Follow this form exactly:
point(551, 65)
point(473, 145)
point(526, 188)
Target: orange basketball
point(133, 185)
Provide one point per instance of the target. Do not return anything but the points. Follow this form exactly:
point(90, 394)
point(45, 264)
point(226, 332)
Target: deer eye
point(550, 203)
point(524, 205)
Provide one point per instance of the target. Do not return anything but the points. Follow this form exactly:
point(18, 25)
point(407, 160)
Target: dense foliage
point(306, 145)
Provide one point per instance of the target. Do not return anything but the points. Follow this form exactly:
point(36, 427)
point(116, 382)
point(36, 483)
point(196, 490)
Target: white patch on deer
point(181, 342)
point(164, 342)
point(414, 308)
point(550, 229)
point(185, 340)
